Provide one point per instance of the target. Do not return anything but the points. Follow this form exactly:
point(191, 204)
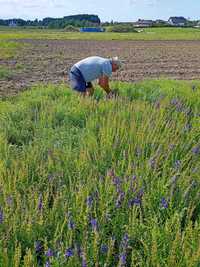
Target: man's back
point(94, 67)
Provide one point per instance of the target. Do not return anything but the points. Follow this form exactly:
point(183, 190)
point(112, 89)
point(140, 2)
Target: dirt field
point(44, 60)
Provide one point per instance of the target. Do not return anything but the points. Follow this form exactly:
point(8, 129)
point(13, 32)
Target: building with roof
point(177, 21)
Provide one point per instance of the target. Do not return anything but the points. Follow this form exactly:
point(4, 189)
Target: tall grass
point(101, 182)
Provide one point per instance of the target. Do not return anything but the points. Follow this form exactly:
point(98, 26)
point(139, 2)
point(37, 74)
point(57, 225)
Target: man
point(89, 69)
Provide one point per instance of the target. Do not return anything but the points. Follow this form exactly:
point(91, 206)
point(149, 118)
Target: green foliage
point(5, 73)
point(130, 162)
point(121, 28)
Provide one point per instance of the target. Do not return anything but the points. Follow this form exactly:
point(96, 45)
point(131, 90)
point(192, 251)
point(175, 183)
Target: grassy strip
point(5, 73)
point(8, 49)
point(101, 182)
point(147, 34)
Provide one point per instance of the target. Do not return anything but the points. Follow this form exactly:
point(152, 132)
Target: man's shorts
point(77, 81)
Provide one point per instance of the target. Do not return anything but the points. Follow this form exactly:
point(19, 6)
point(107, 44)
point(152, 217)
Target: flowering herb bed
point(101, 182)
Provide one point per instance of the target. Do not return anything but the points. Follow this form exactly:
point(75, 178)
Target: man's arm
point(104, 83)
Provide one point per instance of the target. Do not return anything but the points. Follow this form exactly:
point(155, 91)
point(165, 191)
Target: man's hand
point(104, 83)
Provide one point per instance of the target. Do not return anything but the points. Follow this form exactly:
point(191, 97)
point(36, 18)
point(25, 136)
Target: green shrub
point(121, 28)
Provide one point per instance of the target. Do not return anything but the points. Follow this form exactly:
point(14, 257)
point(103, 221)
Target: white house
point(177, 21)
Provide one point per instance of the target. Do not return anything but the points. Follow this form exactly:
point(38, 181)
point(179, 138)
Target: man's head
point(116, 63)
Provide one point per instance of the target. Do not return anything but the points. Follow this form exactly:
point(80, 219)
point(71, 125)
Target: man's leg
point(77, 83)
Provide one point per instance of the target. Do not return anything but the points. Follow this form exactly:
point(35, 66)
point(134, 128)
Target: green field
point(101, 182)
point(147, 34)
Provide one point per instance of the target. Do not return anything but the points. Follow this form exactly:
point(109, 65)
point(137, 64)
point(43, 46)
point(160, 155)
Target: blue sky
point(117, 10)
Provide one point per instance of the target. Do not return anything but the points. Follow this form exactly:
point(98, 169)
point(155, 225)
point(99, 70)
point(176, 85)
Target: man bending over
point(89, 69)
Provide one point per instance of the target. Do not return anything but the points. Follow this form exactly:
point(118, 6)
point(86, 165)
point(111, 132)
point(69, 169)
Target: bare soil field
point(44, 61)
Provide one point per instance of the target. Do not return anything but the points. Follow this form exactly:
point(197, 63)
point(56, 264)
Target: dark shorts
point(77, 81)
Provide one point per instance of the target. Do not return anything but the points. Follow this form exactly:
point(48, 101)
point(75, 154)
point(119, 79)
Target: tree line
point(84, 20)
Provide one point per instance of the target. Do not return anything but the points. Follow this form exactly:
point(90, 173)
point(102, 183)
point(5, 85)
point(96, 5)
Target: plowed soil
point(44, 61)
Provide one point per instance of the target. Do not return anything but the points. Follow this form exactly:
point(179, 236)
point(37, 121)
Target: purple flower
point(134, 202)
point(89, 201)
point(93, 223)
point(49, 253)
point(69, 253)
point(84, 262)
point(1, 215)
point(71, 224)
point(117, 181)
point(196, 150)
point(140, 193)
point(40, 204)
point(125, 241)
point(177, 164)
point(122, 259)
point(120, 199)
point(38, 247)
point(104, 249)
point(9, 201)
point(164, 203)
point(47, 264)
point(152, 163)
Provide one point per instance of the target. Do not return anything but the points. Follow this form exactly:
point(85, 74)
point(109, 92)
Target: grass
point(5, 73)
point(8, 49)
point(101, 182)
point(147, 34)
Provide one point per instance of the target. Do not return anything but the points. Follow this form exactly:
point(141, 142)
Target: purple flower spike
point(89, 201)
point(84, 262)
point(134, 202)
point(120, 199)
point(177, 164)
point(38, 247)
point(125, 241)
point(196, 150)
point(49, 253)
point(164, 203)
point(152, 163)
point(94, 224)
point(117, 181)
point(40, 204)
point(71, 224)
point(69, 253)
point(104, 249)
point(47, 264)
point(122, 262)
point(9, 201)
point(1, 215)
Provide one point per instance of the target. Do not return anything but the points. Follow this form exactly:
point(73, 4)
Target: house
point(197, 25)
point(143, 23)
point(92, 29)
point(177, 21)
point(12, 24)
